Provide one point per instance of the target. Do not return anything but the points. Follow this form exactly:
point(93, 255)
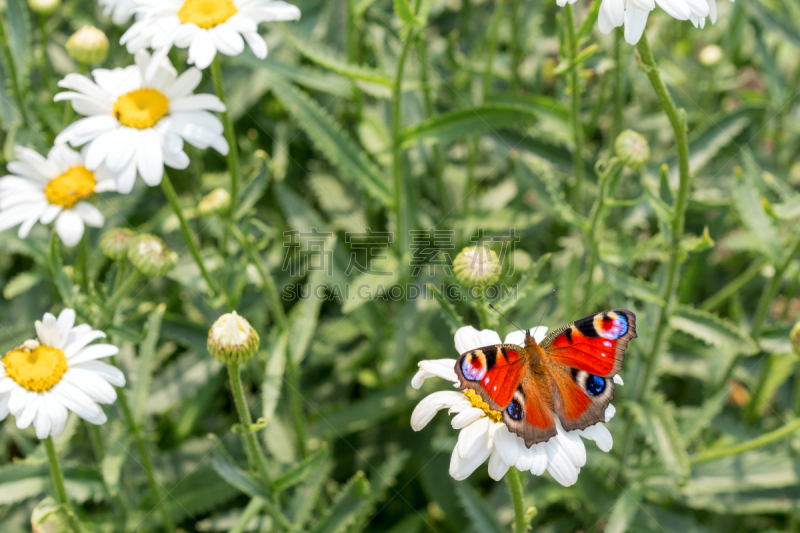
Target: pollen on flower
point(141, 108)
point(70, 187)
point(477, 401)
point(206, 13)
point(36, 370)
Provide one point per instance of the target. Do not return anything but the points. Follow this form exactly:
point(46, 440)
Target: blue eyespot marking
point(473, 366)
point(514, 410)
point(611, 325)
point(595, 385)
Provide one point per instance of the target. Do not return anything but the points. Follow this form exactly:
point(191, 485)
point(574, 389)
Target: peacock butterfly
point(569, 375)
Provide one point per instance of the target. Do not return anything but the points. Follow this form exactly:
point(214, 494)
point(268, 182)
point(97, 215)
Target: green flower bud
point(632, 149)
point(47, 517)
point(477, 265)
point(115, 243)
point(795, 336)
point(232, 340)
point(215, 202)
point(88, 45)
point(44, 7)
point(150, 255)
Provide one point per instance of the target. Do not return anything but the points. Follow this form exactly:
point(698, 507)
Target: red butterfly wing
point(494, 372)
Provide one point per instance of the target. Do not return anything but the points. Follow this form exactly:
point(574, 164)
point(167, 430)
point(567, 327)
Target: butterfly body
point(569, 375)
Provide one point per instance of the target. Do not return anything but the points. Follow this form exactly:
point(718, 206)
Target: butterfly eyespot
point(514, 410)
point(473, 366)
point(611, 325)
point(595, 385)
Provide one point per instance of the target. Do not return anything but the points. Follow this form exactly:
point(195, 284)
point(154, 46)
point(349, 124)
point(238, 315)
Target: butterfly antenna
point(546, 307)
point(504, 316)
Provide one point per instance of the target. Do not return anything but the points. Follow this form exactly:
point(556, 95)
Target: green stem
point(494, 32)
point(13, 74)
point(254, 454)
point(400, 187)
point(438, 161)
point(252, 509)
point(58, 483)
point(516, 48)
point(619, 84)
point(230, 136)
point(297, 407)
point(734, 286)
point(678, 121)
point(594, 225)
point(43, 66)
point(169, 192)
point(147, 462)
point(122, 289)
point(767, 438)
point(774, 283)
point(515, 487)
point(577, 123)
point(83, 262)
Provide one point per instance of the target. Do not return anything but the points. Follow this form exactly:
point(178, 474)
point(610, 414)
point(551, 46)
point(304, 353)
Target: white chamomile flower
point(55, 188)
point(205, 27)
point(633, 14)
point(120, 11)
point(137, 119)
point(43, 378)
point(484, 436)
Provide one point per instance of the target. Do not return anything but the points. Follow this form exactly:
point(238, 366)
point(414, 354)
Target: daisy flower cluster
point(482, 433)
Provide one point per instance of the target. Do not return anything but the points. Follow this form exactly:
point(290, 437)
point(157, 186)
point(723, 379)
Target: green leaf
point(328, 136)
point(21, 283)
point(304, 316)
point(116, 454)
point(273, 377)
point(252, 192)
point(779, 367)
point(525, 284)
point(404, 11)
point(60, 278)
point(657, 420)
point(557, 199)
point(381, 481)
point(449, 312)
point(234, 475)
point(631, 286)
point(481, 515)
point(465, 122)
point(368, 286)
point(21, 481)
point(350, 500)
point(299, 472)
point(693, 243)
point(146, 362)
point(761, 227)
point(19, 32)
point(624, 510)
point(179, 380)
point(712, 330)
point(305, 497)
point(778, 25)
point(546, 106)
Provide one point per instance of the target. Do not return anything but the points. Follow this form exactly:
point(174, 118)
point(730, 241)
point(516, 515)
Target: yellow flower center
point(37, 370)
point(476, 400)
point(70, 187)
point(206, 13)
point(141, 108)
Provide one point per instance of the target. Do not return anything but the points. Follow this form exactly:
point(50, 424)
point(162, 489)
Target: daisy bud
point(44, 7)
point(115, 243)
point(632, 149)
point(151, 256)
point(476, 265)
point(88, 45)
point(232, 340)
point(215, 202)
point(795, 336)
point(48, 517)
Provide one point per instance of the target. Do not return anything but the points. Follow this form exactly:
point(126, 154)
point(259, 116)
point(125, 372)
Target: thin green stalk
point(577, 123)
point(254, 454)
point(516, 47)
point(494, 32)
point(438, 161)
point(83, 262)
point(169, 192)
point(230, 136)
point(122, 289)
point(121, 269)
point(678, 121)
point(296, 404)
point(619, 84)
point(252, 509)
point(772, 288)
point(763, 440)
point(734, 286)
point(147, 462)
point(58, 483)
point(594, 225)
point(515, 487)
point(13, 74)
point(43, 66)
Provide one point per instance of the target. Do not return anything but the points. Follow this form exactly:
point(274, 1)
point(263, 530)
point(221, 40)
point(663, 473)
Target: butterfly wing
point(500, 376)
point(583, 358)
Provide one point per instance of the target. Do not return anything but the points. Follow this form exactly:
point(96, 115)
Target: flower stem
point(515, 486)
point(619, 84)
point(494, 31)
point(577, 123)
point(147, 462)
point(230, 136)
point(83, 261)
point(594, 225)
point(13, 74)
point(58, 483)
point(254, 455)
point(250, 511)
point(767, 438)
point(678, 121)
point(122, 289)
point(169, 192)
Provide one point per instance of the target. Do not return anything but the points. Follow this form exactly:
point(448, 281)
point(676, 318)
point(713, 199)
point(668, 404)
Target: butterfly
point(569, 375)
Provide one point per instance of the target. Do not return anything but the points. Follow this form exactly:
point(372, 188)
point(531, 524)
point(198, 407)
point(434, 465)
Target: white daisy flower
point(43, 378)
point(484, 436)
point(138, 117)
point(120, 11)
point(205, 27)
point(56, 188)
point(633, 14)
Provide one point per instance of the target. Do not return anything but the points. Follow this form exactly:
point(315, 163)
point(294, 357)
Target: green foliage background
point(478, 149)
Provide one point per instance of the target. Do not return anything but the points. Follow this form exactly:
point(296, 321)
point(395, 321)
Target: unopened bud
point(115, 243)
point(48, 517)
point(44, 7)
point(477, 265)
point(215, 202)
point(88, 45)
point(151, 256)
point(632, 149)
point(232, 340)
